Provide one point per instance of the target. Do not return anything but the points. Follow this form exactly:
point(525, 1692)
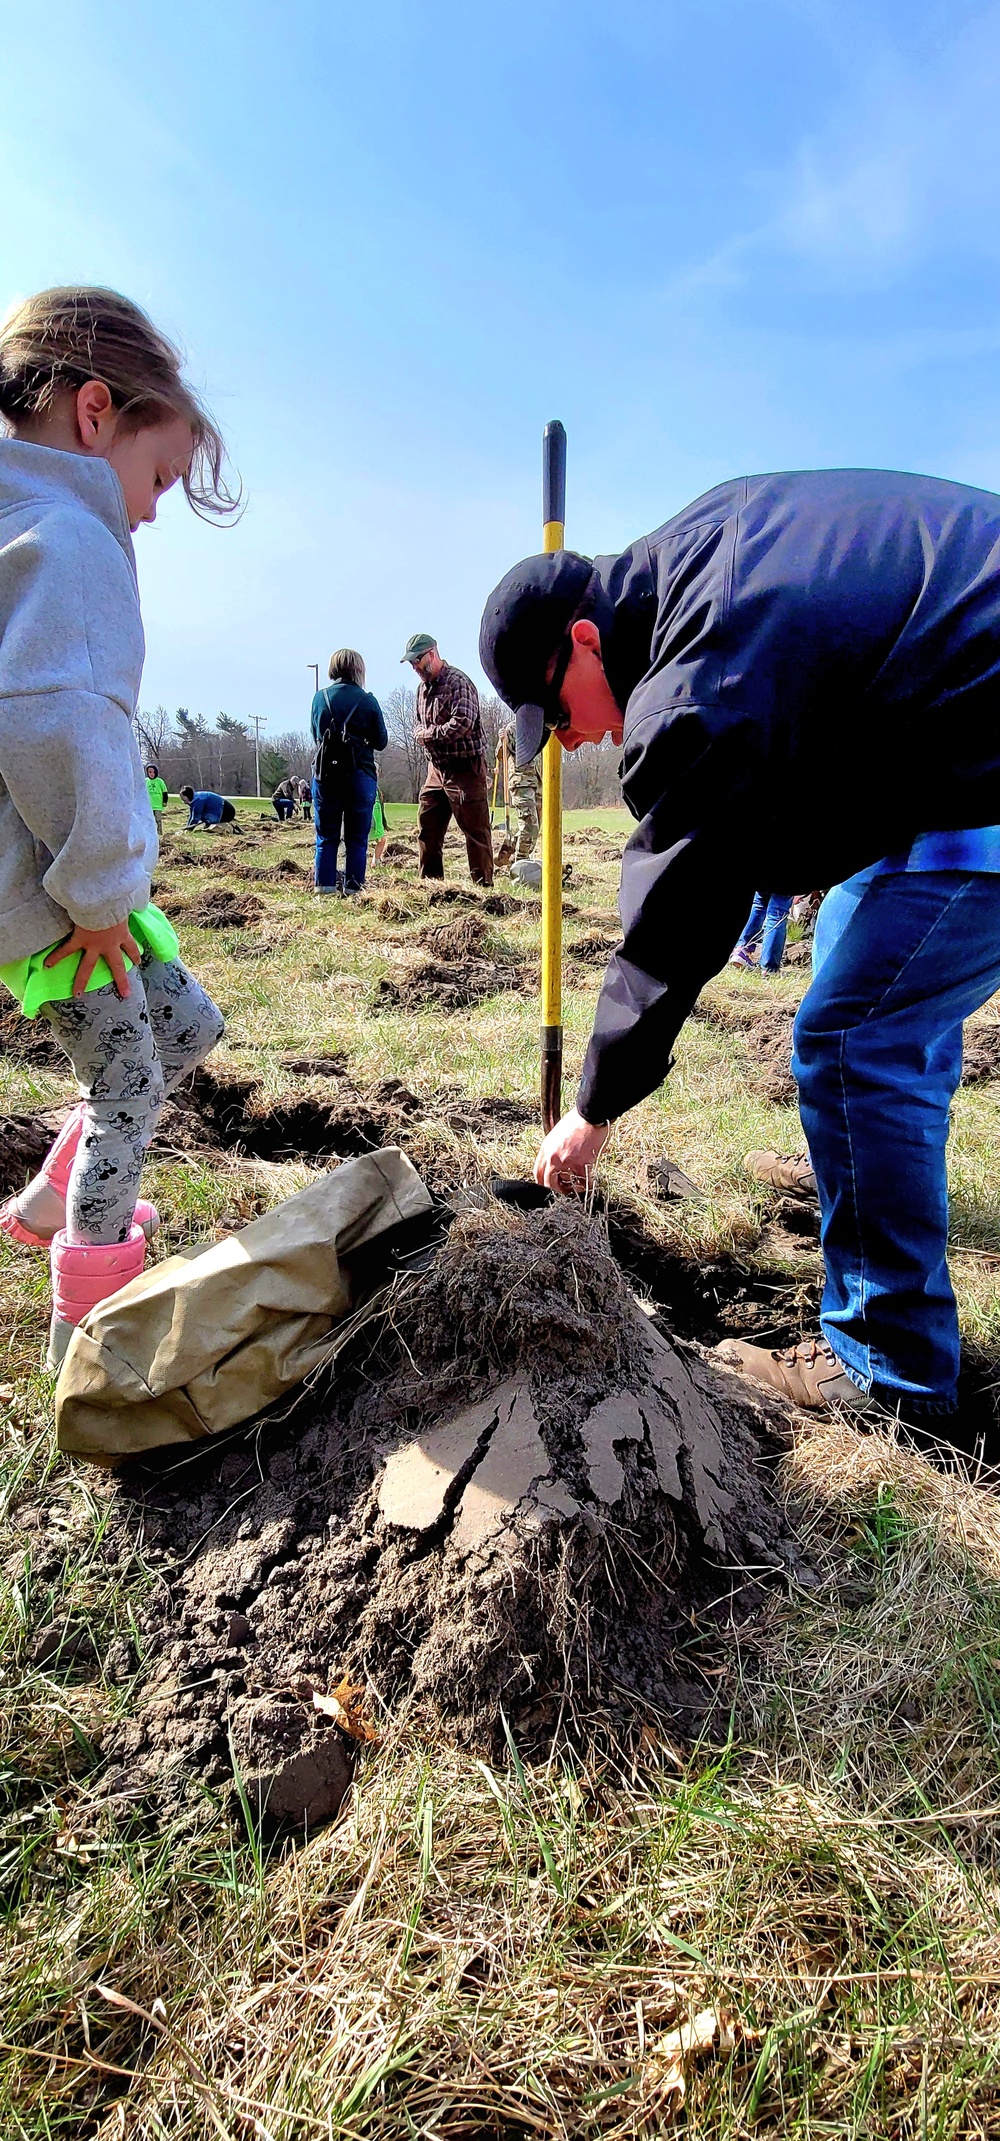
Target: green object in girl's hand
point(35, 985)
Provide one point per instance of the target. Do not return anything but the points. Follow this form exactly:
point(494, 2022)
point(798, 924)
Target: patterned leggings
point(127, 1056)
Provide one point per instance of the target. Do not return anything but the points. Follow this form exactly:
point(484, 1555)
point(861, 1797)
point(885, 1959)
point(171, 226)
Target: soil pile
point(767, 1029)
point(518, 1497)
point(980, 1052)
point(234, 1115)
point(29, 1040)
point(24, 1142)
point(461, 939)
point(236, 1118)
point(595, 949)
point(451, 982)
point(451, 895)
point(222, 909)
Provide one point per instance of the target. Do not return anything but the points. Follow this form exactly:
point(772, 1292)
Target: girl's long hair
point(61, 338)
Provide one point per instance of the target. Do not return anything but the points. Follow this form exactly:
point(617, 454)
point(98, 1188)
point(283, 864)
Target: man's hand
point(98, 944)
point(568, 1158)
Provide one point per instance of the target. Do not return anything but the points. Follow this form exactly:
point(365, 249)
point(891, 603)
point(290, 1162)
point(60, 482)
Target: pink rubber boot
point(48, 1189)
point(83, 1275)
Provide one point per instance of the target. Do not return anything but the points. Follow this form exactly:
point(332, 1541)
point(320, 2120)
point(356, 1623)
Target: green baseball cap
point(418, 643)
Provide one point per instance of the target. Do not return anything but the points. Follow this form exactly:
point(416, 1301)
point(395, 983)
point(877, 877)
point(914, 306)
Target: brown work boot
point(788, 1171)
point(809, 1373)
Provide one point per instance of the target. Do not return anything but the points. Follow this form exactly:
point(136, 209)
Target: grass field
point(789, 1929)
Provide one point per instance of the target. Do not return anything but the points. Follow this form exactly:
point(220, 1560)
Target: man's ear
point(96, 415)
point(585, 635)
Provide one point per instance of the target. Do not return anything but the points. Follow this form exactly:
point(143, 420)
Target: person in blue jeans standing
point(765, 925)
point(804, 669)
point(348, 727)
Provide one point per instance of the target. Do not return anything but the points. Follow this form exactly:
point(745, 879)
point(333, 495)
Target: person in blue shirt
point(804, 670)
point(348, 728)
point(205, 807)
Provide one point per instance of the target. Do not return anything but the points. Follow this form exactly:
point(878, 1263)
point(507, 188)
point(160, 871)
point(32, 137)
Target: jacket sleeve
point(376, 733)
point(682, 910)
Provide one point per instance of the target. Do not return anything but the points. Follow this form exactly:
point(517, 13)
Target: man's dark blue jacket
point(810, 670)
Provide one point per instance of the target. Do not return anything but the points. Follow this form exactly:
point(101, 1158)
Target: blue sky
point(394, 240)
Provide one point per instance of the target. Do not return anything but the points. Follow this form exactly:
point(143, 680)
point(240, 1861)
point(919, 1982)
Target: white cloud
point(906, 167)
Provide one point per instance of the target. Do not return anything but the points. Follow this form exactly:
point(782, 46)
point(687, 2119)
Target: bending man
point(833, 636)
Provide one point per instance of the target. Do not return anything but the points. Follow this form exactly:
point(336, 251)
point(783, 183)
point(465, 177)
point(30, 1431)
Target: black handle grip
point(553, 473)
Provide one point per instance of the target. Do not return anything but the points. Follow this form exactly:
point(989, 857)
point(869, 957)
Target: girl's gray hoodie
point(77, 838)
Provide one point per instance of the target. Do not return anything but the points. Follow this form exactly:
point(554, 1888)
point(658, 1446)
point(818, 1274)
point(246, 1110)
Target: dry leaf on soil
point(345, 1704)
point(669, 2055)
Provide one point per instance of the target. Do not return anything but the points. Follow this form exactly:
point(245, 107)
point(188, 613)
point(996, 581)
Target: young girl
point(100, 424)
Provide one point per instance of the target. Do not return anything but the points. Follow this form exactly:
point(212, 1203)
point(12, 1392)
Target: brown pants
point(464, 796)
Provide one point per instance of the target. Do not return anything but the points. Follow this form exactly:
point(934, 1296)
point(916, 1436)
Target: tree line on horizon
point(188, 748)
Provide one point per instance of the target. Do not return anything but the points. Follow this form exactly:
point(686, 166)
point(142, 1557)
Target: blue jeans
point(768, 919)
point(900, 960)
point(284, 806)
point(346, 809)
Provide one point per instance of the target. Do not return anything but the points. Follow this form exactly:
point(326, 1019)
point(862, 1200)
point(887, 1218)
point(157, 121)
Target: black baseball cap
point(526, 621)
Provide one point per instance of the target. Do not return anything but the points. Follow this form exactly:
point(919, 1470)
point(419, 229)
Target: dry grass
point(469, 1952)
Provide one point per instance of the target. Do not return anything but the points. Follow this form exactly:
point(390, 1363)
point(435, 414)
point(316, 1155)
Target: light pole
point(314, 666)
point(259, 722)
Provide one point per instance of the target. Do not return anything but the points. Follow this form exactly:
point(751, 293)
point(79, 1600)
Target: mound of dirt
point(222, 909)
point(389, 909)
point(595, 949)
point(461, 939)
point(500, 903)
point(483, 1118)
point(24, 1142)
point(451, 986)
point(29, 1040)
point(332, 1065)
point(451, 895)
point(980, 1053)
point(287, 868)
point(506, 1459)
point(767, 1029)
point(399, 851)
point(233, 1115)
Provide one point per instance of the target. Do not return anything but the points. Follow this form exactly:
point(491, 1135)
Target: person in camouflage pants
point(524, 790)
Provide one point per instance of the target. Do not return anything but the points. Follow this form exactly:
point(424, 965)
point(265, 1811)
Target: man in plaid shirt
point(449, 728)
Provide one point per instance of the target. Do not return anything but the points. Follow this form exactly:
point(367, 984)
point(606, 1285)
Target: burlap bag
point(213, 1336)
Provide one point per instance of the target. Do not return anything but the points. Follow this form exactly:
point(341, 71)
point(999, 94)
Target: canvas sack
point(212, 1337)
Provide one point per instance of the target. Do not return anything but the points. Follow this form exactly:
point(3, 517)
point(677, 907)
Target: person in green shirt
point(157, 791)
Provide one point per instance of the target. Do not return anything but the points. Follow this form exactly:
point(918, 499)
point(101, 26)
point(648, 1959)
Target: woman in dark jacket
point(348, 728)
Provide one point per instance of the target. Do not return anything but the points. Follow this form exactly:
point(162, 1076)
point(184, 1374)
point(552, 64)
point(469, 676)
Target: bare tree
point(400, 710)
point(153, 732)
point(495, 718)
point(590, 777)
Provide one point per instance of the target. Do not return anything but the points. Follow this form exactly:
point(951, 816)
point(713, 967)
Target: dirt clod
point(222, 909)
point(450, 985)
point(594, 949)
point(980, 1052)
point(294, 1765)
point(461, 939)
